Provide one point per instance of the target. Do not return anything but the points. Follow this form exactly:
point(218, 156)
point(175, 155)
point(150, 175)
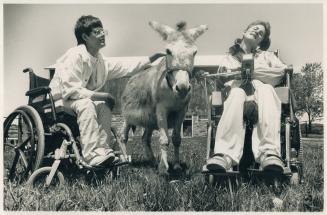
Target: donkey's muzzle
point(183, 90)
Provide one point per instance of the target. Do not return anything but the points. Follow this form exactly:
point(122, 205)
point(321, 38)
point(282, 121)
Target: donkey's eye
point(194, 53)
point(168, 52)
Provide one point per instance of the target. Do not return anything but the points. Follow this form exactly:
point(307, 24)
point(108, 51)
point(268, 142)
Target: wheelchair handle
point(289, 69)
point(28, 70)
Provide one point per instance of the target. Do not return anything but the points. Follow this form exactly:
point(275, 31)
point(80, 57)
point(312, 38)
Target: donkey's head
point(180, 52)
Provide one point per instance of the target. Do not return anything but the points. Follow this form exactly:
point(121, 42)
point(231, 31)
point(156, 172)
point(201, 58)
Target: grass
point(139, 188)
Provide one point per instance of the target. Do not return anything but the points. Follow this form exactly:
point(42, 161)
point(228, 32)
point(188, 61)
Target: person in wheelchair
point(80, 75)
point(268, 72)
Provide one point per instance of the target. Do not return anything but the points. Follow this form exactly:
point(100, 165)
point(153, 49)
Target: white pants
point(94, 122)
point(266, 133)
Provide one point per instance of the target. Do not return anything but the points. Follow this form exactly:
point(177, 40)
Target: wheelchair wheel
point(38, 178)
point(297, 170)
point(23, 143)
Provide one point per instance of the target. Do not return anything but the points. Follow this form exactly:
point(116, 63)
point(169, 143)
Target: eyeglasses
point(100, 32)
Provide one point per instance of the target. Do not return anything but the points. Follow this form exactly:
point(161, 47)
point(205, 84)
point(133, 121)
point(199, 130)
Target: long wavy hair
point(264, 44)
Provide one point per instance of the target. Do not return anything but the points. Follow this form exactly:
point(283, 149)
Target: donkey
point(158, 98)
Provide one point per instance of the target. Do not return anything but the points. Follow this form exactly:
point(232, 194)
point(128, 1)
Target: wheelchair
point(38, 137)
point(291, 146)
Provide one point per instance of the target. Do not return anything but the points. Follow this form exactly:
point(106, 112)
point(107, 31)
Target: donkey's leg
point(124, 138)
point(176, 139)
point(125, 130)
point(163, 140)
point(146, 139)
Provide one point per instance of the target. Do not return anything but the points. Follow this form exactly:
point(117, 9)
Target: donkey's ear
point(163, 30)
point(197, 31)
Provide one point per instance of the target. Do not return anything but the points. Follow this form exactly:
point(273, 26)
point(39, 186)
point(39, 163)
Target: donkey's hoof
point(163, 170)
point(177, 168)
point(163, 173)
point(150, 159)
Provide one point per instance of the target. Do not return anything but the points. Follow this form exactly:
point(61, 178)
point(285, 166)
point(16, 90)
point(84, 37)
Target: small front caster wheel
point(39, 176)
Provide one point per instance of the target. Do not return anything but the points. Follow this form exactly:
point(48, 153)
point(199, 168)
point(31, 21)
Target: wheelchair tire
point(23, 143)
point(300, 152)
point(38, 178)
point(300, 159)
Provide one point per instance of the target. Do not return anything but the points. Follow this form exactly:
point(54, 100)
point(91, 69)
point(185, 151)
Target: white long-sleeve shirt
point(79, 74)
point(267, 68)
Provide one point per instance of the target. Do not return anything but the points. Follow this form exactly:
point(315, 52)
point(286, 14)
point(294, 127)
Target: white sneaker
point(272, 163)
point(218, 163)
point(102, 160)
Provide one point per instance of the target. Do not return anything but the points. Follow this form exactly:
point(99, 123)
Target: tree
point(198, 103)
point(308, 91)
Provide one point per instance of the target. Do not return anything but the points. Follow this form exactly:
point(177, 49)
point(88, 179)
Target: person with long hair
point(268, 72)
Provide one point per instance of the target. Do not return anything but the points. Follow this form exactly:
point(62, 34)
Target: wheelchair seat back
point(41, 99)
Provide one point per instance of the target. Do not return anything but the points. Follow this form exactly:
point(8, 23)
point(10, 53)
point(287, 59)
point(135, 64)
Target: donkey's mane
point(181, 26)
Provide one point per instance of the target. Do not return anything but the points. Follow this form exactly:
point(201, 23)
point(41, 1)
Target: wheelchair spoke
point(23, 157)
point(24, 142)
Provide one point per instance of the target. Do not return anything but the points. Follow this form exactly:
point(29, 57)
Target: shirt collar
point(87, 56)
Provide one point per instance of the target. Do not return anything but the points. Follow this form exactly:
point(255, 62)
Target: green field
point(139, 188)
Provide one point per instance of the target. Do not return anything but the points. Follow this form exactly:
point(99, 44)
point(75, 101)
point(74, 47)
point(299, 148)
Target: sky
point(35, 35)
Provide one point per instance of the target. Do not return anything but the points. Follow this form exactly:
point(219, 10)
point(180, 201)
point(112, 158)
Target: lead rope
point(167, 73)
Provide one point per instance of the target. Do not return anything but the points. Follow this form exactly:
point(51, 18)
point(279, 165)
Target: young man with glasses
point(80, 75)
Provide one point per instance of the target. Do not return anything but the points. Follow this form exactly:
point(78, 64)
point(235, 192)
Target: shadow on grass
point(144, 163)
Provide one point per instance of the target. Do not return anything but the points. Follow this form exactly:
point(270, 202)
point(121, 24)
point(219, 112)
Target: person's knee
point(266, 89)
point(237, 96)
point(85, 107)
point(237, 92)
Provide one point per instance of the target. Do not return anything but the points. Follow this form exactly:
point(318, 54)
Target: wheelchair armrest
point(38, 91)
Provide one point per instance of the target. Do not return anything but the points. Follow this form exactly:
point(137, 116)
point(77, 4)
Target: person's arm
point(131, 67)
point(106, 97)
point(229, 69)
point(72, 78)
point(273, 74)
point(227, 74)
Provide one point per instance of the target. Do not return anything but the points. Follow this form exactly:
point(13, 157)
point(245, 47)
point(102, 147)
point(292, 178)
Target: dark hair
point(264, 44)
point(84, 25)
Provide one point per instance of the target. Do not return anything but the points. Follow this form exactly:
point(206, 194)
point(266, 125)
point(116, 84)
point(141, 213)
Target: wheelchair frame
point(291, 146)
point(46, 133)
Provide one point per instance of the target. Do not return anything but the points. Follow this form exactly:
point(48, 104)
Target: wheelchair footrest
point(120, 163)
point(286, 172)
point(227, 173)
